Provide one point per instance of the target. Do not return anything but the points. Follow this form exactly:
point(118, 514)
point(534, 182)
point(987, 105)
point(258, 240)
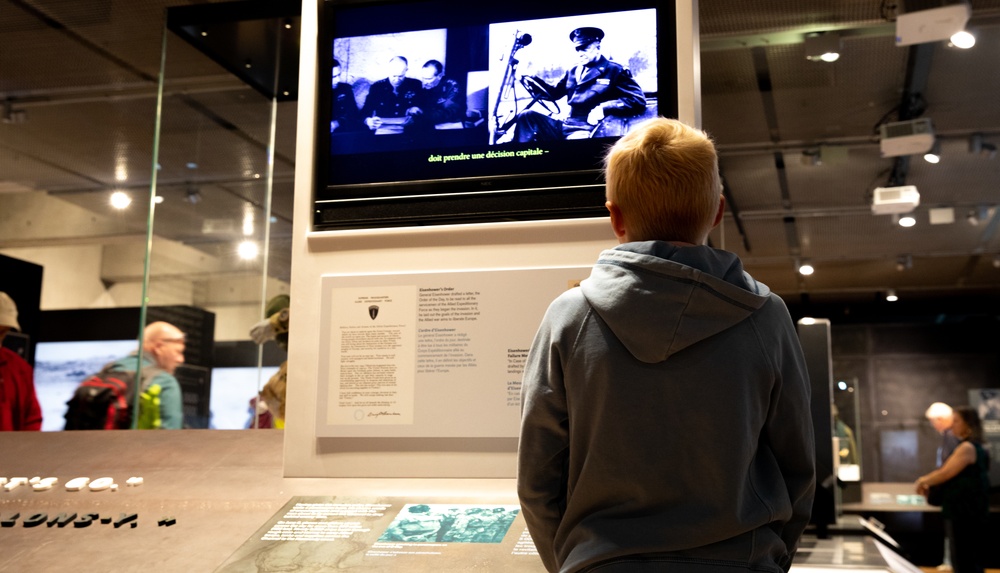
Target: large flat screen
point(440, 111)
point(61, 366)
point(234, 388)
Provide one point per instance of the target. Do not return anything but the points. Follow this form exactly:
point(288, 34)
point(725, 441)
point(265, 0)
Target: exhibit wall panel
point(391, 252)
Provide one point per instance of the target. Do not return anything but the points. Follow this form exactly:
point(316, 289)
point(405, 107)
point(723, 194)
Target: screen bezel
point(488, 196)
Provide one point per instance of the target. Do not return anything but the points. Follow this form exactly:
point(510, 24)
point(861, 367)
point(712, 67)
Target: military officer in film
point(595, 82)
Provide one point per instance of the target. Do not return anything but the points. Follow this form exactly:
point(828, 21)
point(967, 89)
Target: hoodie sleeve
point(543, 450)
point(789, 428)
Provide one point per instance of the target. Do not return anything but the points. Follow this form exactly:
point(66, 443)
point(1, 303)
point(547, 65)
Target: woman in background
point(964, 477)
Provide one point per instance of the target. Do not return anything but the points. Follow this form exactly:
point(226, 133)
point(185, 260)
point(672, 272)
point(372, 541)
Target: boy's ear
point(617, 221)
point(721, 212)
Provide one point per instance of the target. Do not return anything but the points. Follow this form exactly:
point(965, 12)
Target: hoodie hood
point(659, 298)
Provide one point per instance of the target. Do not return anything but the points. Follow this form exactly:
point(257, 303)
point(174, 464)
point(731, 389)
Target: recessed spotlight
point(807, 321)
point(933, 155)
point(247, 250)
point(891, 296)
point(120, 200)
point(904, 263)
point(963, 40)
point(806, 269)
point(907, 221)
point(822, 46)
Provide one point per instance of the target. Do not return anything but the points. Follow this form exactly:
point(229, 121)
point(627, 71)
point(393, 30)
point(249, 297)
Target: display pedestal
point(233, 511)
point(219, 486)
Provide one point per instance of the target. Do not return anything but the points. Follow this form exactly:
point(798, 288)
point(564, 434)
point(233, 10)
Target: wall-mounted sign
point(430, 354)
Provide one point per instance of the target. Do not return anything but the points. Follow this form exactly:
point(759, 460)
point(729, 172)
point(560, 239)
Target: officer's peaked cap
point(586, 35)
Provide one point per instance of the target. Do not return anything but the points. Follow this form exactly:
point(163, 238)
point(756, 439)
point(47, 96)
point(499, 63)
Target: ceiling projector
point(931, 25)
point(895, 200)
point(906, 137)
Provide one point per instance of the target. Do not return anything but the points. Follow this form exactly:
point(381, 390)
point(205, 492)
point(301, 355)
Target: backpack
point(103, 401)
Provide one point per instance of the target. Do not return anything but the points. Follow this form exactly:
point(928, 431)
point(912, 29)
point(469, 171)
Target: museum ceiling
point(798, 140)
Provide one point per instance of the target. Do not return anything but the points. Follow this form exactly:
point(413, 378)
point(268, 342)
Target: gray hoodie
point(665, 419)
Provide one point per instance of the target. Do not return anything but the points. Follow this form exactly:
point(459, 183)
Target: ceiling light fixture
point(806, 269)
point(932, 24)
point(193, 195)
point(984, 148)
point(891, 296)
point(979, 214)
point(962, 40)
point(933, 155)
point(904, 263)
point(811, 157)
point(907, 221)
point(248, 221)
point(247, 250)
point(13, 116)
point(822, 46)
point(988, 151)
point(120, 200)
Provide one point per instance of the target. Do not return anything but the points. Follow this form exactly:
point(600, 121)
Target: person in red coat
point(19, 409)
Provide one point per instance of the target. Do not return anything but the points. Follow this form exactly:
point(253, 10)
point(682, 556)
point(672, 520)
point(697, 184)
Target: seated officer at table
point(443, 98)
point(395, 96)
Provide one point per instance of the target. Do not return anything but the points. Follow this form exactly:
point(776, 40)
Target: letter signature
point(382, 413)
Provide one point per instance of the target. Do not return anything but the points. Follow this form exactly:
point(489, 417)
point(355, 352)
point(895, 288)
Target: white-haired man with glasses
point(161, 404)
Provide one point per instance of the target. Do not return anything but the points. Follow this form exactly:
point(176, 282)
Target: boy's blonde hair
point(664, 176)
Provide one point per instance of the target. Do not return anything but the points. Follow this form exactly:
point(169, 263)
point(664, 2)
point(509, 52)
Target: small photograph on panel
point(446, 523)
point(573, 77)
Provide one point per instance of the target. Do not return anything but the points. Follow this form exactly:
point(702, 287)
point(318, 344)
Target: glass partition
point(846, 428)
point(219, 238)
point(156, 171)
